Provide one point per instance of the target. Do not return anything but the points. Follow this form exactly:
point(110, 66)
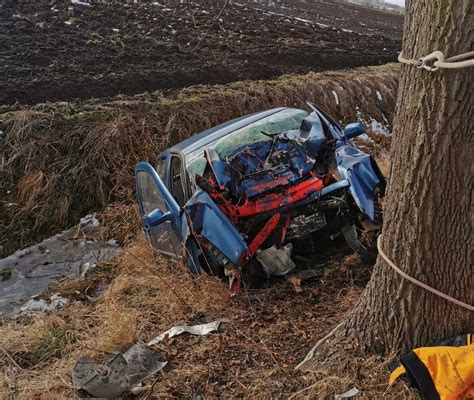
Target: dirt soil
point(58, 50)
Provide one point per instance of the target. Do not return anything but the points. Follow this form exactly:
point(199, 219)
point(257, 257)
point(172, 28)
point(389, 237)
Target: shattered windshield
point(280, 122)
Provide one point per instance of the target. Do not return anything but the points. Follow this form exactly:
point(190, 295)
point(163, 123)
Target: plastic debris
point(199, 330)
point(276, 261)
point(120, 373)
point(347, 395)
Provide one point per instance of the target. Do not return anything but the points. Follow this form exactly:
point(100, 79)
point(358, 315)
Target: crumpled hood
point(261, 167)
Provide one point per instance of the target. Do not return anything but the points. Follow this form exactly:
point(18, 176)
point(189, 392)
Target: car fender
point(357, 167)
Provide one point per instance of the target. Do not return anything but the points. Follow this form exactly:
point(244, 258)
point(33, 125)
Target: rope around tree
point(419, 283)
point(436, 60)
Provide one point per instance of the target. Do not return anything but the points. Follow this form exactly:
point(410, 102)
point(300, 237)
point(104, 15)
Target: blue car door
point(162, 217)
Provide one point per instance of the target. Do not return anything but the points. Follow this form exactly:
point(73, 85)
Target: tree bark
point(428, 209)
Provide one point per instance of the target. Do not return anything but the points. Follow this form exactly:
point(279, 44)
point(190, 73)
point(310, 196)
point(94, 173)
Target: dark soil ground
point(59, 50)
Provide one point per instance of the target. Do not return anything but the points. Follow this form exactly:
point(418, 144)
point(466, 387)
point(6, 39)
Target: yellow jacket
point(443, 372)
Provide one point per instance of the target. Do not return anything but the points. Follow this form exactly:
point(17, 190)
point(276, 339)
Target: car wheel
point(362, 238)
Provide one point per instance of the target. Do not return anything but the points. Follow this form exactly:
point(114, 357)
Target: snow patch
point(379, 96)
point(35, 304)
point(90, 219)
point(364, 137)
point(80, 3)
point(378, 127)
point(303, 20)
point(336, 97)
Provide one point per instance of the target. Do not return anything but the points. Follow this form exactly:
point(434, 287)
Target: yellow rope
point(418, 283)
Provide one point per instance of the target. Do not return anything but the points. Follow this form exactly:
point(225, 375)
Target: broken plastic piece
point(199, 330)
point(347, 395)
point(117, 375)
point(276, 261)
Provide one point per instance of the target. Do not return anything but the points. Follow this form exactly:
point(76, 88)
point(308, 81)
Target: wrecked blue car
point(253, 197)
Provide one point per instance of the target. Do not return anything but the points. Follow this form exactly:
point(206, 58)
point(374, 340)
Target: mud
point(57, 50)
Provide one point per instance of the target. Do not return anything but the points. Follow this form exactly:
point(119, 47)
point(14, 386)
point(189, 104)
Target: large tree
point(428, 209)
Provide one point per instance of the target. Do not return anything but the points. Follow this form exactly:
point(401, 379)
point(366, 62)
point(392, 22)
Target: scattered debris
point(35, 304)
point(276, 261)
point(199, 330)
point(347, 395)
point(119, 373)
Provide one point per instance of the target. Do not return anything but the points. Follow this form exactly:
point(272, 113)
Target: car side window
point(160, 167)
point(177, 181)
point(149, 195)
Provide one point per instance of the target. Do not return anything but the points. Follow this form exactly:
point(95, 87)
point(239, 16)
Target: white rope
point(418, 283)
point(436, 60)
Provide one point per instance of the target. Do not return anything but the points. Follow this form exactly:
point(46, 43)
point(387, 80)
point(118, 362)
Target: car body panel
point(210, 223)
point(167, 235)
point(356, 167)
point(213, 225)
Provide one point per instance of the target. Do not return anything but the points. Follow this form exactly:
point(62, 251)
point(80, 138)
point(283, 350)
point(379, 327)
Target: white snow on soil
point(364, 137)
point(336, 98)
point(36, 304)
point(90, 219)
point(80, 3)
point(378, 127)
point(375, 126)
point(306, 21)
point(379, 96)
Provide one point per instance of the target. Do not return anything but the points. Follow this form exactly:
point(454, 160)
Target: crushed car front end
point(264, 199)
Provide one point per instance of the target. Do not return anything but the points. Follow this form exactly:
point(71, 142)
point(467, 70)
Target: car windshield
point(280, 122)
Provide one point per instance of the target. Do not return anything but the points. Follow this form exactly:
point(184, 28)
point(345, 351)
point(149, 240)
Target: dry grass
point(253, 356)
point(62, 160)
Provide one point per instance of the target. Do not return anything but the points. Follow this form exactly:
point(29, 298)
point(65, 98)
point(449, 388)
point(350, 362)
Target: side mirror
point(157, 217)
point(353, 130)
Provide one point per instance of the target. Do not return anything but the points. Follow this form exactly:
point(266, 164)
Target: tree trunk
point(428, 209)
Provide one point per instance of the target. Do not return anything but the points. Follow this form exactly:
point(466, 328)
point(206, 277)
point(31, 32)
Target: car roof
point(202, 139)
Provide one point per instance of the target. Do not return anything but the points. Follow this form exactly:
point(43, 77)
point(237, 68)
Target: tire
point(366, 247)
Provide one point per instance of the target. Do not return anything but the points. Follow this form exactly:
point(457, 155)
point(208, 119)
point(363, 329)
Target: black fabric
point(419, 376)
